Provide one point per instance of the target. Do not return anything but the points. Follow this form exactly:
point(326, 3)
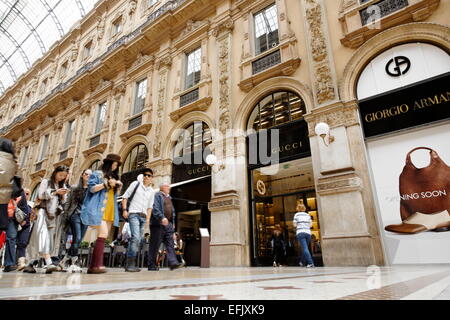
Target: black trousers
point(3, 217)
point(160, 234)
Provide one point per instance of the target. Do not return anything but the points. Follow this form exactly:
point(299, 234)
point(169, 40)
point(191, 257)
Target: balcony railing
point(94, 141)
point(266, 62)
point(189, 97)
point(381, 9)
point(38, 166)
point(63, 155)
point(135, 122)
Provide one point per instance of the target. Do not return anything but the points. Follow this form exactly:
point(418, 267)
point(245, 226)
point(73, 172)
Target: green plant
point(84, 244)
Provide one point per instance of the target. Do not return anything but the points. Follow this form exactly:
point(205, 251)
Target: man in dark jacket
point(162, 224)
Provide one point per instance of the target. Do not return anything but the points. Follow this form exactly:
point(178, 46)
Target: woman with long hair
point(100, 208)
point(44, 239)
point(8, 169)
point(72, 210)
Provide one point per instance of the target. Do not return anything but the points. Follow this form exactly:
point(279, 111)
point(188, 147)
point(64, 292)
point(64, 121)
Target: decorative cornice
point(226, 201)
point(335, 115)
point(347, 182)
point(198, 105)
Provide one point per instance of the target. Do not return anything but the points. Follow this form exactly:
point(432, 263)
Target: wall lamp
point(211, 160)
point(323, 130)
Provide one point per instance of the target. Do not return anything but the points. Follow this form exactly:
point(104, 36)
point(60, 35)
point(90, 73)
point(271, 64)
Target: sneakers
point(177, 266)
point(310, 266)
point(274, 264)
point(301, 264)
point(10, 268)
point(96, 270)
point(21, 264)
point(153, 268)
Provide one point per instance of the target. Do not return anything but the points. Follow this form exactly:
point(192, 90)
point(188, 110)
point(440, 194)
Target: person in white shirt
point(303, 222)
point(138, 214)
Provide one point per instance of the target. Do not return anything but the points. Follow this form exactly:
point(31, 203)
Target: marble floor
point(430, 282)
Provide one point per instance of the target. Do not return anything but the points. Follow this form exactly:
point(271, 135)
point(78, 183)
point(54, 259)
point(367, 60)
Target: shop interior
point(276, 191)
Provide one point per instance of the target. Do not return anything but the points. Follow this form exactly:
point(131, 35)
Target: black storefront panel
point(411, 106)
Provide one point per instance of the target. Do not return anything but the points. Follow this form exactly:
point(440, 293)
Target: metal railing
point(266, 62)
point(38, 166)
point(381, 9)
point(189, 97)
point(94, 141)
point(135, 122)
point(63, 155)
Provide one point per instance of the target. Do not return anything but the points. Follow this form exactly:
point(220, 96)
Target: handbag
point(19, 215)
point(425, 190)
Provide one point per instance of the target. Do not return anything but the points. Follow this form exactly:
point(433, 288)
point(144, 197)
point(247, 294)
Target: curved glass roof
point(28, 28)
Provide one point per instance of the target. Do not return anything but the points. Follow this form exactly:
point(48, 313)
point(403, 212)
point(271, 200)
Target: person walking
point(179, 247)
point(43, 240)
point(8, 169)
point(278, 246)
point(17, 234)
point(162, 224)
point(303, 223)
point(72, 211)
point(141, 195)
point(100, 207)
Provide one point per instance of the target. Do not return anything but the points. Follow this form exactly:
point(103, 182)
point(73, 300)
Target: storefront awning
point(188, 181)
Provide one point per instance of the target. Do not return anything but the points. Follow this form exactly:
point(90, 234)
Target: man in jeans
point(303, 223)
point(138, 214)
point(162, 228)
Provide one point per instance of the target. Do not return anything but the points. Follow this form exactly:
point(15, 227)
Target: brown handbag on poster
point(424, 195)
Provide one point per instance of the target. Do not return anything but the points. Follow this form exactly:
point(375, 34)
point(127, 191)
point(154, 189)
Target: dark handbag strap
point(132, 195)
point(433, 155)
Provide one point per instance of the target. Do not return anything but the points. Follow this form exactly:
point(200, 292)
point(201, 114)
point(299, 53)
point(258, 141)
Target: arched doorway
point(280, 175)
point(96, 165)
point(134, 161)
point(191, 187)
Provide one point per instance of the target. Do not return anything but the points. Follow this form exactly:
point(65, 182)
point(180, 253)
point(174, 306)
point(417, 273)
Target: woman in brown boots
point(100, 206)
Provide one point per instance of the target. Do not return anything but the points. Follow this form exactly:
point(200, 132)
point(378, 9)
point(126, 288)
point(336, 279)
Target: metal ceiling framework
point(23, 26)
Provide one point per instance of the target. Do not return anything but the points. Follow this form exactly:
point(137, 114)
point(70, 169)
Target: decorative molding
point(159, 111)
point(143, 129)
point(225, 201)
point(334, 115)
point(100, 27)
point(224, 80)
point(198, 105)
point(223, 26)
point(324, 85)
point(340, 183)
point(100, 148)
point(132, 7)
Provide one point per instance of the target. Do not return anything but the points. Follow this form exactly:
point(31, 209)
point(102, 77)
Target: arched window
point(275, 109)
point(136, 159)
point(35, 192)
point(196, 137)
point(96, 165)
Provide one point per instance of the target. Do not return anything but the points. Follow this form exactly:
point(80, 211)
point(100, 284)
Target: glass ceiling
point(28, 28)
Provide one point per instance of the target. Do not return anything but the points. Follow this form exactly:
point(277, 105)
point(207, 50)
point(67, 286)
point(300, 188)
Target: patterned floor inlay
point(398, 290)
point(190, 285)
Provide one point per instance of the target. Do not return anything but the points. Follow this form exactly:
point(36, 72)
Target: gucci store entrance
point(280, 177)
point(191, 188)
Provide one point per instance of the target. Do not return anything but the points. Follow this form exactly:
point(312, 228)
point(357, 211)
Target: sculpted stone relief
point(159, 111)
point(324, 86)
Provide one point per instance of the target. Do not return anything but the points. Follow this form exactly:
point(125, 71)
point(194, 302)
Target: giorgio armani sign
point(424, 102)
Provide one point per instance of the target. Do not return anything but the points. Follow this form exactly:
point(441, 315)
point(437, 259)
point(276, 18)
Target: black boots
point(131, 265)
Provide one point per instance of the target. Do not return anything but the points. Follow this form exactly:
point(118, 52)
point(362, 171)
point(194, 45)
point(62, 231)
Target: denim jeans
point(78, 231)
point(16, 238)
point(304, 239)
point(137, 224)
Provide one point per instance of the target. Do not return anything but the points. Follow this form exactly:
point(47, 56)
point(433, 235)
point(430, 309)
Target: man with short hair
point(162, 228)
point(138, 214)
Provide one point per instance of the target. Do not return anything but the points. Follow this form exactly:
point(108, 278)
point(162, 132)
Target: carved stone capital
point(341, 183)
point(334, 116)
point(224, 201)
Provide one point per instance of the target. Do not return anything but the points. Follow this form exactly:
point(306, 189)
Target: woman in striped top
point(303, 222)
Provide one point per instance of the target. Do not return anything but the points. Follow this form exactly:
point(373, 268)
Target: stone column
point(349, 228)
point(229, 227)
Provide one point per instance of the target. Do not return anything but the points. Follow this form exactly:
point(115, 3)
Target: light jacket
point(71, 203)
point(158, 209)
point(94, 202)
point(8, 169)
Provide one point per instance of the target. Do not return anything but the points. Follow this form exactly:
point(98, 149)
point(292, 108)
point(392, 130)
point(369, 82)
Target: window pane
point(281, 104)
point(267, 116)
point(69, 132)
point(193, 68)
point(101, 115)
point(141, 93)
point(266, 29)
point(43, 148)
